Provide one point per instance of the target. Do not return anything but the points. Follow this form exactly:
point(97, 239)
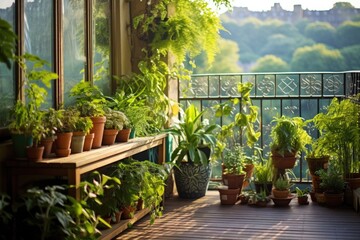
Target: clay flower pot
point(89, 138)
point(228, 196)
point(98, 130)
point(35, 154)
point(109, 136)
point(280, 194)
point(123, 135)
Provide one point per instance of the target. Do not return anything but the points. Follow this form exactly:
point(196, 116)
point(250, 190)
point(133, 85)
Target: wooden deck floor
point(205, 218)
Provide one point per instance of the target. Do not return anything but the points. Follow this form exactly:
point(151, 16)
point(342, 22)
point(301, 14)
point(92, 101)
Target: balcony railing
point(292, 94)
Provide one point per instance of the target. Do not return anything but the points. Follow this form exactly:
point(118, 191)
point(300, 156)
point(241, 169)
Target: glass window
point(7, 76)
point(101, 45)
point(39, 35)
point(74, 51)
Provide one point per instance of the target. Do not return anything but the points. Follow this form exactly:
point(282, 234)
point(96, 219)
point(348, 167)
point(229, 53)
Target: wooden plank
point(205, 218)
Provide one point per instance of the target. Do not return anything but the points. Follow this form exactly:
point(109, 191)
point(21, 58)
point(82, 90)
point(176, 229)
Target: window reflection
point(7, 77)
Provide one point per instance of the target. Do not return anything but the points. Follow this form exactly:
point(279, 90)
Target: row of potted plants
point(48, 213)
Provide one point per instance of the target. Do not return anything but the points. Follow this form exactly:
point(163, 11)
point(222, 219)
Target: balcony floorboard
point(205, 218)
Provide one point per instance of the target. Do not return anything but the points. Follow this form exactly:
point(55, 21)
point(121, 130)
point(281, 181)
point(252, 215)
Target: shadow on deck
point(205, 218)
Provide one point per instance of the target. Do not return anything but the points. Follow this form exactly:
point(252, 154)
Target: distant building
point(333, 16)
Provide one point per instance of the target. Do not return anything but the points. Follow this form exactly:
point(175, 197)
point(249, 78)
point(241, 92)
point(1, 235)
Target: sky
point(264, 5)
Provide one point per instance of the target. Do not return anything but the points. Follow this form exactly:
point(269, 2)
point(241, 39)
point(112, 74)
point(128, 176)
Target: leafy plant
point(263, 172)
point(116, 120)
point(192, 133)
point(234, 160)
point(301, 193)
point(243, 124)
point(282, 184)
point(331, 180)
point(7, 42)
point(288, 135)
point(340, 133)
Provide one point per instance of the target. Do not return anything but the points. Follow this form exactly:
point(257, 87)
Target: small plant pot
point(303, 200)
point(117, 217)
point(228, 196)
point(98, 130)
point(313, 197)
point(128, 212)
point(109, 136)
point(261, 203)
point(334, 200)
point(88, 141)
point(244, 199)
point(233, 181)
point(35, 154)
point(283, 162)
point(77, 142)
point(62, 152)
point(280, 194)
point(63, 140)
point(123, 135)
point(320, 198)
point(47, 143)
point(282, 202)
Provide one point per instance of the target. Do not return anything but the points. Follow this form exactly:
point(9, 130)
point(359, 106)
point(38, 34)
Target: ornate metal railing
point(293, 94)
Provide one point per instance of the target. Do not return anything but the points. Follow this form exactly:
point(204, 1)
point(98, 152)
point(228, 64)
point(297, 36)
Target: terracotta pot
point(233, 181)
point(117, 216)
point(128, 212)
point(229, 196)
point(123, 135)
point(109, 136)
point(282, 202)
point(47, 143)
point(98, 130)
point(35, 153)
point(303, 200)
point(63, 140)
point(88, 141)
point(283, 162)
point(316, 164)
point(280, 194)
point(316, 184)
point(333, 199)
point(77, 142)
point(249, 169)
point(140, 204)
point(62, 152)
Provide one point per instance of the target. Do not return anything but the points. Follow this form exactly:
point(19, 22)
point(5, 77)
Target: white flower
point(205, 122)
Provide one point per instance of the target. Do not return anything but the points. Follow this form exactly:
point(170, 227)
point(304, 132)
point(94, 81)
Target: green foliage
point(321, 32)
point(116, 120)
point(5, 213)
point(270, 63)
point(89, 99)
point(332, 180)
point(301, 193)
point(7, 42)
point(192, 133)
point(234, 160)
point(282, 184)
point(351, 56)
point(340, 133)
point(288, 135)
point(52, 120)
point(263, 172)
point(348, 34)
point(243, 121)
point(342, 5)
point(317, 58)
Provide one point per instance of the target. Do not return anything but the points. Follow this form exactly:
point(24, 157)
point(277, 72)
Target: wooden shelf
point(73, 166)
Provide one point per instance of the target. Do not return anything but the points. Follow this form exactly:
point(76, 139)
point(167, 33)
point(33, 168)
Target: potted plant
point(333, 183)
point(196, 141)
point(65, 132)
point(115, 121)
point(261, 199)
point(288, 139)
point(82, 127)
point(263, 176)
point(228, 196)
point(26, 114)
point(234, 174)
point(339, 136)
point(302, 196)
point(281, 187)
point(51, 121)
point(91, 102)
point(38, 132)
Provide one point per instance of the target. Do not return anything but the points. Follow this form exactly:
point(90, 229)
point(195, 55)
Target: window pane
point(101, 45)
point(39, 35)
point(7, 77)
point(74, 53)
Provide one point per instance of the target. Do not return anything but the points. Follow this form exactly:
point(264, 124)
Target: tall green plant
point(7, 42)
point(340, 133)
